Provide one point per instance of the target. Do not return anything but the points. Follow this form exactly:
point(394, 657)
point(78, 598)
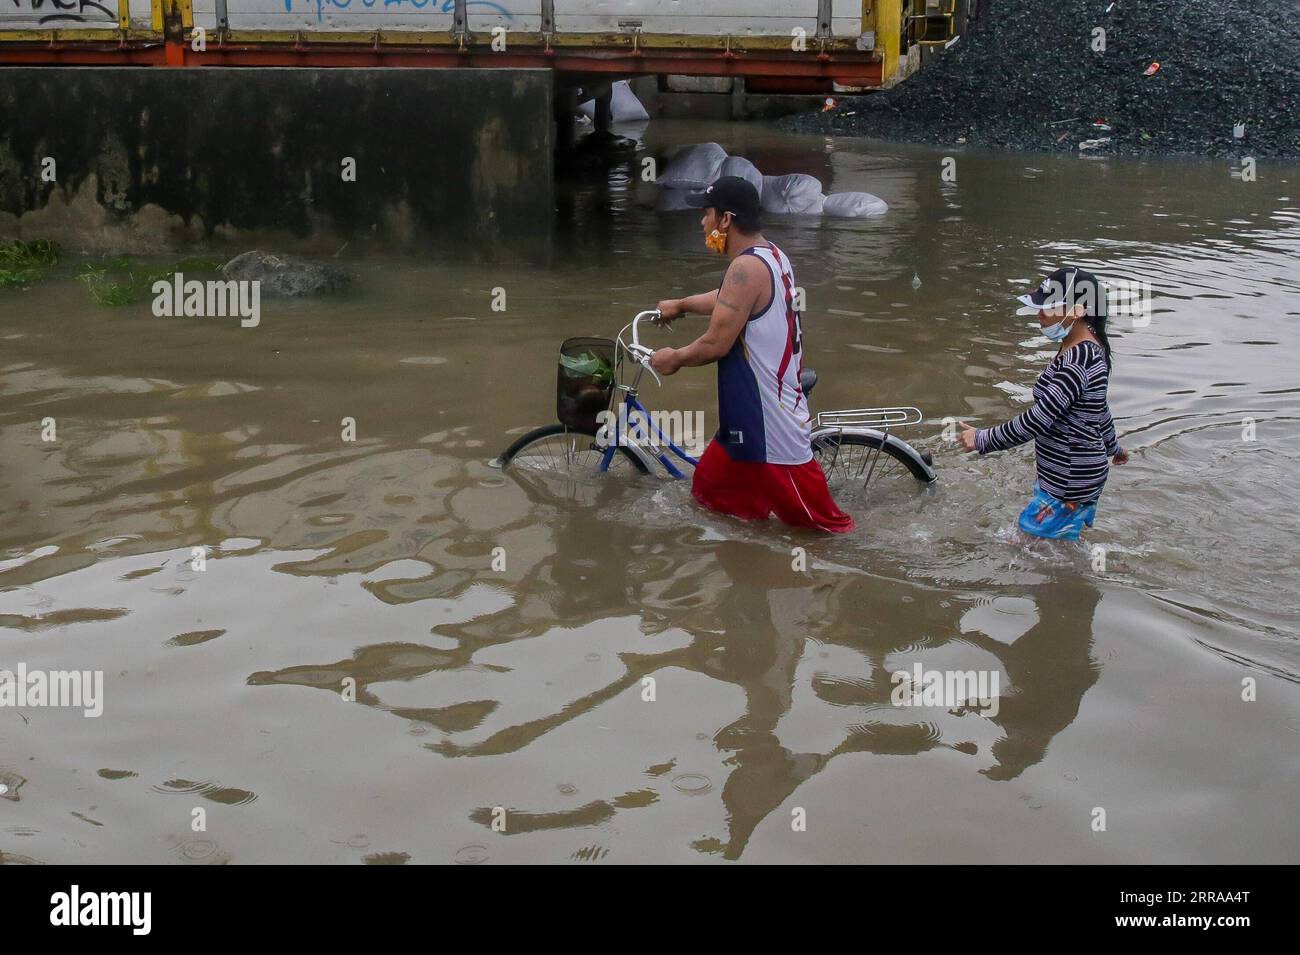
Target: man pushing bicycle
point(760, 462)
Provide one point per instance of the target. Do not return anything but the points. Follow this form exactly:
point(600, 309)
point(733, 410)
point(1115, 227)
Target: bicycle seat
point(807, 381)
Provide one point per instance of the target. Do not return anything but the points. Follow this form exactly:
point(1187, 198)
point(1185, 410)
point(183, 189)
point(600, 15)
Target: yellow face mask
point(716, 241)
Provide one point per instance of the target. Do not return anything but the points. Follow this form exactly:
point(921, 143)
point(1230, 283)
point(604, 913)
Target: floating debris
point(10, 783)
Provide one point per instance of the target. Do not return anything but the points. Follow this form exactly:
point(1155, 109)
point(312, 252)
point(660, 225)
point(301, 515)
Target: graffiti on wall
point(67, 11)
point(96, 11)
point(437, 6)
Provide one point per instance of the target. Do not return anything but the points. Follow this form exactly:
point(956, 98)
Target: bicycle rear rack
point(881, 419)
point(876, 419)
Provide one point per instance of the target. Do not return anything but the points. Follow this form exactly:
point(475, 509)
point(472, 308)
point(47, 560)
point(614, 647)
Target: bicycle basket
point(584, 381)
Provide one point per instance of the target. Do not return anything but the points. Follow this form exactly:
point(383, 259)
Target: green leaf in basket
point(586, 365)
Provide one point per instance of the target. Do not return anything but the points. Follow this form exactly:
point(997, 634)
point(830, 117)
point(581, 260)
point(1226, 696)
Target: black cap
point(1069, 286)
point(729, 194)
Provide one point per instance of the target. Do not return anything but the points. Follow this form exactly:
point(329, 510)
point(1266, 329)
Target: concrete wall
point(151, 159)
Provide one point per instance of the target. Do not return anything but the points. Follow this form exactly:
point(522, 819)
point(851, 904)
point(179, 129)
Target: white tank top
point(762, 410)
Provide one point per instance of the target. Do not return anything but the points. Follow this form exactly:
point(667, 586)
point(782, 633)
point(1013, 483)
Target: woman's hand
point(665, 361)
point(967, 437)
point(1121, 457)
point(669, 309)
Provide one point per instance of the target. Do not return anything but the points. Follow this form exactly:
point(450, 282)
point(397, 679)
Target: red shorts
point(796, 493)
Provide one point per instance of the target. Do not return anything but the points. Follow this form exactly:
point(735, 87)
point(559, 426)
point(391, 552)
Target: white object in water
point(797, 194)
point(742, 167)
point(854, 205)
point(624, 105)
point(694, 167)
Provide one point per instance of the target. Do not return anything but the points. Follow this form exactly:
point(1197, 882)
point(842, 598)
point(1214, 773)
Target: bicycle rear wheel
point(858, 461)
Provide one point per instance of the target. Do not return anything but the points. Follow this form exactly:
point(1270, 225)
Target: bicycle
point(851, 446)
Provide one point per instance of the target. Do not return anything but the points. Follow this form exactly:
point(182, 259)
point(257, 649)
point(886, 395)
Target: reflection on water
point(374, 651)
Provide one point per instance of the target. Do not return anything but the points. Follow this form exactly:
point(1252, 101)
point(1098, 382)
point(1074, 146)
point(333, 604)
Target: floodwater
point(348, 678)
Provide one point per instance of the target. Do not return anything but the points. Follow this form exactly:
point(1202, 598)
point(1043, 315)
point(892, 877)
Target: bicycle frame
point(659, 444)
point(660, 447)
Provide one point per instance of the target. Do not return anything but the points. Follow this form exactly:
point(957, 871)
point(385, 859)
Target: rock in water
point(285, 274)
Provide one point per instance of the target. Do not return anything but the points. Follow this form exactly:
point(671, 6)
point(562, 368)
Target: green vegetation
point(38, 252)
point(114, 281)
point(122, 281)
point(587, 365)
point(17, 278)
point(107, 291)
point(22, 263)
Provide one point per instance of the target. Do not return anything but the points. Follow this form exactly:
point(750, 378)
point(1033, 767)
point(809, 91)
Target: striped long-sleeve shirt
point(1069, 423)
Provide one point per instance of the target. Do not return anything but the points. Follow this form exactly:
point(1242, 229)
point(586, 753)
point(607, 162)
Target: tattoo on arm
point(735, 284)
point(735, 276)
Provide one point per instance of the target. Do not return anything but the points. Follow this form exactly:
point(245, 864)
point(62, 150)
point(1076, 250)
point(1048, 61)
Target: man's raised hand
point(669, 309)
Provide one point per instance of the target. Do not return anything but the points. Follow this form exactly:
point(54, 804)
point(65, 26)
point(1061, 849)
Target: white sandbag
point(694, 167)
point(854, 205)
point(623, 104)
point(797, 194)
point(627, 108)
point(742, 167)
point(672, 200)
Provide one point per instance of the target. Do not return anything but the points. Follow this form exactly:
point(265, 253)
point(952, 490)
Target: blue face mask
point(1057, 332)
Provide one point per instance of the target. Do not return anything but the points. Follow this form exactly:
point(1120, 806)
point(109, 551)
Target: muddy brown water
point(524, 689)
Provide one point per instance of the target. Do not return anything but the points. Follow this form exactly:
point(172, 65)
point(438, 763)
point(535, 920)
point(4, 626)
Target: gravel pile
point(1026, 77)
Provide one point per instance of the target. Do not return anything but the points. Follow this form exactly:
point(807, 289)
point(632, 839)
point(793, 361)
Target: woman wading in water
point(1070, 422)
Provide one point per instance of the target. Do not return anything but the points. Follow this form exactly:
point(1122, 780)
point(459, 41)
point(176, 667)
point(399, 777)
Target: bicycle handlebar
point(641, 352)
point(636, 342)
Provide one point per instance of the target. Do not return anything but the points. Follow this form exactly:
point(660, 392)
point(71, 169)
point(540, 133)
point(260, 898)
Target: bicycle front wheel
point(566, 464)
